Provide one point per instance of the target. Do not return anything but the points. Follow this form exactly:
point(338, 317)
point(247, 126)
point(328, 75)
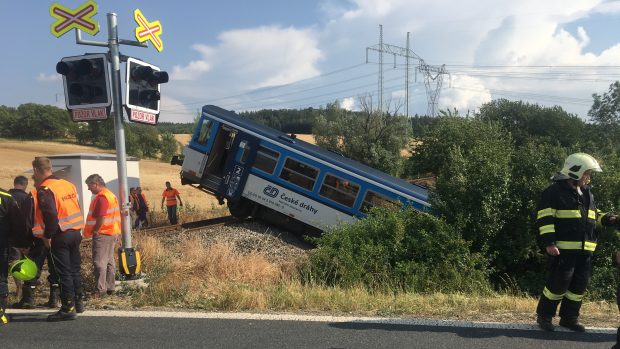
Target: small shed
point(77, 167)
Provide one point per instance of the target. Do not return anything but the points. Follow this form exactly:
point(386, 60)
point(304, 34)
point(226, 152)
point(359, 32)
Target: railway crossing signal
point(143, 95)
point(86, 81)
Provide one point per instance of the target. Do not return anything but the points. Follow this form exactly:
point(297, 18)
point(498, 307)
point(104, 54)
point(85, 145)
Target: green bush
point(394, 251)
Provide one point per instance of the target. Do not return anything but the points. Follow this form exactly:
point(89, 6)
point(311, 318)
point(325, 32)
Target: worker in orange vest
point(58, 214)
point(170, 195)
point(103, 223)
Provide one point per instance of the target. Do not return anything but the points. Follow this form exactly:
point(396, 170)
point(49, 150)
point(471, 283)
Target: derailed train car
point(264, 173)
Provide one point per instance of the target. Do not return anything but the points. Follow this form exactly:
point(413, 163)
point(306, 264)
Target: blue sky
point(247, 55)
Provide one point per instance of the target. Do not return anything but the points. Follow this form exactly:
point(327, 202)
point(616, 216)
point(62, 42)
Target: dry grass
point(198, 275)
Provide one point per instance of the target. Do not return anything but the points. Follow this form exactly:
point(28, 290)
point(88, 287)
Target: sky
point(273, 54)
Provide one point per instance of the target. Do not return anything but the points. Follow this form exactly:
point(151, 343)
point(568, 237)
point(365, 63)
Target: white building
point(77, 167)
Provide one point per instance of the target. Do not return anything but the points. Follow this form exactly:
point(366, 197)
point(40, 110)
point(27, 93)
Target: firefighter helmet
point(24, 269)
point(576, 164)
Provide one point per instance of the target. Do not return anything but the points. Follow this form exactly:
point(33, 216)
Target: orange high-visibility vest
point(67, 206)
point(112, 219)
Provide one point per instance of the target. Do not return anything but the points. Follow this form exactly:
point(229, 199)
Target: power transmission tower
point(433, 75)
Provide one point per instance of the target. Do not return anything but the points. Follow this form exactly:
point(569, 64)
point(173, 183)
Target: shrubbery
point(395, 251)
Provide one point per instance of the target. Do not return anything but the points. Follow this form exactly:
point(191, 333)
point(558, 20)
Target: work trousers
point(39, 253)
point(66, 259)
point(172, 214)
point(103, 261)
point(568, 279)
point(618, 304)
point(4, 271)
point(141, 220)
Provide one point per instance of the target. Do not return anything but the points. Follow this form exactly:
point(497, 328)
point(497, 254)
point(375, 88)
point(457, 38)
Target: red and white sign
point(89, 114)
point(143, 117)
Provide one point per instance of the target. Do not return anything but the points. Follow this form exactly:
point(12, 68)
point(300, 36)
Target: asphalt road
point(101, 329)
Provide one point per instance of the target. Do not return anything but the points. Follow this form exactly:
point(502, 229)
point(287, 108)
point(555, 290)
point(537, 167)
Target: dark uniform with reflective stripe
point(567, 220)
point(65, 249)
point(11, 234)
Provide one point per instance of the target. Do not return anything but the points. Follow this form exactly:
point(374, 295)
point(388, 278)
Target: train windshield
point(205, 131)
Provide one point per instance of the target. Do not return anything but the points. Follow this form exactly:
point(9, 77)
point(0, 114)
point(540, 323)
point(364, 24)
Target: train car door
point(221, 149)
point(238, 164)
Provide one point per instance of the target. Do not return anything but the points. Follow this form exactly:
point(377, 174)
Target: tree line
point(45, 122)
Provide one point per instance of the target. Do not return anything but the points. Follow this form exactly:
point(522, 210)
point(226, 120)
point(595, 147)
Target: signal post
point(88, 97)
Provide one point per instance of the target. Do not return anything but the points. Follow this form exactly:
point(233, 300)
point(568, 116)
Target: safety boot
point(79, 303)
point(545, 323)
point(4, 318)
point(27, 301)
point(572, 324)
point(52, 302)
point(66, 312)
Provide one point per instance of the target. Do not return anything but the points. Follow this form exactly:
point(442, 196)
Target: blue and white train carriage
point(264, 173)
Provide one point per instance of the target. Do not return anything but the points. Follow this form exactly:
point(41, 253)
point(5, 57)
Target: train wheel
point(240, 209)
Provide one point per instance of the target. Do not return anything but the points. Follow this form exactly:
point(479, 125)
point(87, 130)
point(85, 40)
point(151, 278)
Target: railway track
point(189, 226)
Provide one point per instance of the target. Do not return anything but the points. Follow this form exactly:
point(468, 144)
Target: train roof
point(320, 153)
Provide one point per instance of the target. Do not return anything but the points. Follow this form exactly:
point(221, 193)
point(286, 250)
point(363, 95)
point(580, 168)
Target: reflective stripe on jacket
point(171, 196)
point(67, 205)
point(112, 219)
point(37, 228)
point(566, 219)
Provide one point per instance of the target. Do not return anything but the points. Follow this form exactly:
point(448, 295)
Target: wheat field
point(18, 156)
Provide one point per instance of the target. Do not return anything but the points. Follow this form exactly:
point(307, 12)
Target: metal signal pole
point(119, 130)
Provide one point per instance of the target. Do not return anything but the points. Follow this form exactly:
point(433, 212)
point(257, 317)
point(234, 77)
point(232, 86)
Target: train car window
point(298, 173)
point(205, 132)
point(266, 160)
point(339, 190)
point(373, 199)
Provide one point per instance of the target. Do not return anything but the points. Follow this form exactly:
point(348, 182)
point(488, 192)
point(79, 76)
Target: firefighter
point(12, 233)
point(617, 345)
point(57, 212)
point(567, 218)
point(38, 253)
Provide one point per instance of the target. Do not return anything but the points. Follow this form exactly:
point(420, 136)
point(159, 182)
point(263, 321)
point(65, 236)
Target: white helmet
point(576, 164)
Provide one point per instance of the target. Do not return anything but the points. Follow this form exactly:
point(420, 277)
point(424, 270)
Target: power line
point(263, 89)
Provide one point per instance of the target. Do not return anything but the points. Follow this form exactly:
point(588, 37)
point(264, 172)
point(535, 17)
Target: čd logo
point(271, 191)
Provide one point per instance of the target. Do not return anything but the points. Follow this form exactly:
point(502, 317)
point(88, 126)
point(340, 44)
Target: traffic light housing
point(86, 81)
point(142, 86)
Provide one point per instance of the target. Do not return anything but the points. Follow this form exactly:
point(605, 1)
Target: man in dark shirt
point(38, 252)
point(11, 234)
point(20, 183)
point(58, 214)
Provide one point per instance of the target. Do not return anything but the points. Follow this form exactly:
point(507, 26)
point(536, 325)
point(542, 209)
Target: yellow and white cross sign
point(80, 18)
point(148, 30)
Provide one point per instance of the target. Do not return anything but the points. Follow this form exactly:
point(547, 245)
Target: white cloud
point(348, 103)
point(461, 34)
point(466, 93)
point(48, 77)
point(270, 55)
point(487, 33)
point(611, 7)
point(173, 110)
point(247, 59)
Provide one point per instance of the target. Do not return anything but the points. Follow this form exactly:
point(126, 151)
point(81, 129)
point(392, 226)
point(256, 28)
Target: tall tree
point(372, 137)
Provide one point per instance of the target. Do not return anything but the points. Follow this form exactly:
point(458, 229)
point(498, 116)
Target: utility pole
point(380, 89)
point(432, 74)
point(407, 79)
